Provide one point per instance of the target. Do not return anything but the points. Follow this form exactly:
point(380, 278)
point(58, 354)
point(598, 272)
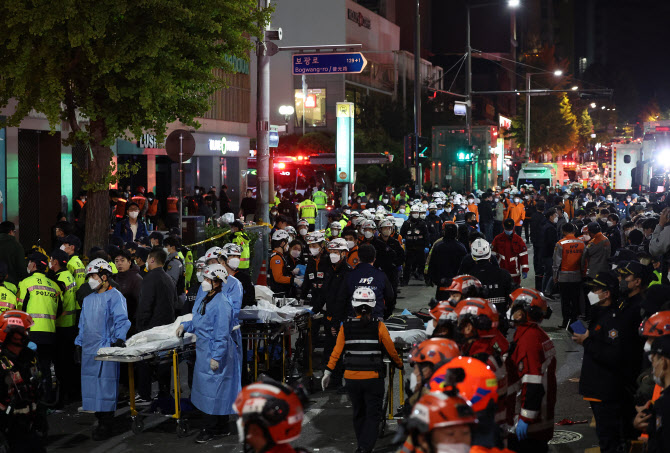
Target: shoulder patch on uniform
point(613, 334)
point(520, 366)
point(278, 261)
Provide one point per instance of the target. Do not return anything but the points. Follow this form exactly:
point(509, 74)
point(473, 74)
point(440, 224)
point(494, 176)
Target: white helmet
point(338, 244)
point(437, 195)
point(290, 230)
point(379, 216)
point(280, 235)
point(97, 265)
point(480, 249)
point(365, 213)
point(354, 214)
point(200, 263)
point(370, 216)
point(364, 296)
point(213, 253)
point(315, 237)
point(357, 221)
point(335, 226)
point(386, 223)
point(214, 271)
point(432, 206)
point(416, 208)
point(303, 222)
point(368, 224)
point(231, 249)
point(380, 208)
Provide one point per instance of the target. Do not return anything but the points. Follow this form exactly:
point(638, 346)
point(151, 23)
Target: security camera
point(273, 35)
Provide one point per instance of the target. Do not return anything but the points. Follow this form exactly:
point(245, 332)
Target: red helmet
point(437, 410)
point(479, 385)
point(443, 311)
point(273, 406)
point(532, 302)
point(657, 325)
point(435, 351)
point(481, 313)
point(461, 284)
point(14, 321)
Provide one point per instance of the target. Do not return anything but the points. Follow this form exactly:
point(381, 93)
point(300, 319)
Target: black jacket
point(614, 236)
point(549, 239)
point(485, 212)
point(537, 221)
point(314, 275)
point(434, 223)
point(445, 260)
point(130, 284)
point(415, 234)
point(11, 252)
point(334, 292)
point(158, 300)
point(496, 281)
point(288, 209)
point(249, 296)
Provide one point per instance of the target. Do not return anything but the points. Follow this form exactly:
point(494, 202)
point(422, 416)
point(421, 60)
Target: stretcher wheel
point(137, 425)
point(182, 428)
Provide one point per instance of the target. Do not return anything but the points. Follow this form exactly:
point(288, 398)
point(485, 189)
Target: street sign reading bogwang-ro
point(329, 63)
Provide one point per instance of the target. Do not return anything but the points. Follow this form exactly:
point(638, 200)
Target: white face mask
point(430, 328)
point(295, 253)
point(470, 201)
point(593, 298)
point(206, 286)
point(335, 258)
point(422, 215)
point(496, 200)
point(610, 223)
point(334, 233)
point(51, 265)
point(233, 263)
point(133, 214)
point(62, 247)
point(28, 269)
point(555, 219)
point(448, 209)
point(302, 231)
point(452, 448)
point(351, 244)
point(314, 250)
point(647, 347)
point(587, 237)
point(413, 382)
point(415, 215)
point(199, 276)
point(516, 200)
point(286, 248)
point(165, 249)
point(368, 234)
point(93, 283)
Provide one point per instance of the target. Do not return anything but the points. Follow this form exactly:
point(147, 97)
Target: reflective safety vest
point(140, 200)
point(362, 347)
point(172, 205)
point(152, 210)
point(113, 266)
point(320, 198)
point(7, 297)
point(307, 211)
point(68, 318)
point(188, 265)
point(78, 271)
point(274, 202)
point(242, 240)
point(42, 295)
point(120, 208)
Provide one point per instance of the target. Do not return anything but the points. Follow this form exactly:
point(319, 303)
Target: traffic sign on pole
point(328, 63)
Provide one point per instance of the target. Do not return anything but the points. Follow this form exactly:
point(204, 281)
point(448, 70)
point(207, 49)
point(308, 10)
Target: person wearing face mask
point(434, 223)
point(613, 232)
point(361, 343)
point(351, 237)
point(103, 323)
point(597, 252)
point(511, 252)
point(318, 265)
point(659, 414)
point(231, 259)
point(307, 210)
point(72, 245)
point(447, 214)
point(141, 256)
point(132, 227)
point(533, 367)
point(415, 233)
point(517, 212)
point(444, 260)
point(280, 280)
point(567, 272)
point(217, 371)
point(174, 267)
point(241, 238)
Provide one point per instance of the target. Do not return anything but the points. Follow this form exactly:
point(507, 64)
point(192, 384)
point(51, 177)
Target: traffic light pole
point(417, 96)
point(263, 122)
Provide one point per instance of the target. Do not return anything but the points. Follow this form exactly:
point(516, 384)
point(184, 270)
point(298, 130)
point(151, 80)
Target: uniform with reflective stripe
point(320, 198)
point(68, 317)
point(78, 271)
point(307, 210)
point(240, 238)
point(7, 297)
point(362, 349)
point(41, 296)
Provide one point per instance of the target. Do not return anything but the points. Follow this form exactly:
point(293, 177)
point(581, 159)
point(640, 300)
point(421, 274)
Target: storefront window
point(313, 106)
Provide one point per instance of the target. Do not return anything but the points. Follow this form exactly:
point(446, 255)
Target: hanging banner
point(344, 159)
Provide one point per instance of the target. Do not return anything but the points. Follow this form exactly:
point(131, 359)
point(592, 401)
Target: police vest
point(273, 202)
point(320, 198)
point(7, 298)
point(68, 318)
point(308, 211)
point(78, 271)
point(242, 240)
point(42, 303)
point(362, 348)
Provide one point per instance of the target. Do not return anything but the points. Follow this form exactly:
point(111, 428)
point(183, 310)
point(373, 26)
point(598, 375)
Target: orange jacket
point(516, 212)
point(153, 208)
point(352, 257)
point(172, 205)
point(568, 259)
point(473, 208)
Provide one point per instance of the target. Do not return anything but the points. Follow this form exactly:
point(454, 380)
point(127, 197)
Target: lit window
point(314, 107)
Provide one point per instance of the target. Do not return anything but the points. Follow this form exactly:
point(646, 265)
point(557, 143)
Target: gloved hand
point(119, 343)
point(180, 331)
point(296, 271)
point(213, 365)
point(325, 380)
point(521, 430)
point(524, 275)
point(298, 282)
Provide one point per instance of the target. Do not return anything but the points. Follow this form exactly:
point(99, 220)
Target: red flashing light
point(662, 128)
point(281, 165)
point(300, 157)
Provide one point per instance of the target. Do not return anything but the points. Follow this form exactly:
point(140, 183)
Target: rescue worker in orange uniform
point(280, 280)
point(568, 272)
point(517, 212)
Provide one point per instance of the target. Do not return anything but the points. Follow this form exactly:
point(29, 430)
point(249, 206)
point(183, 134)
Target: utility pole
point(417, 96)
point(468, 79)
point(263, 121)
point(527, 153)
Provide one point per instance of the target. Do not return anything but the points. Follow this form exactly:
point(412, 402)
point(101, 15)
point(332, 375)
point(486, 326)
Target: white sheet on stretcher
point(152, 340)
point(266, 312)
point(408, 337)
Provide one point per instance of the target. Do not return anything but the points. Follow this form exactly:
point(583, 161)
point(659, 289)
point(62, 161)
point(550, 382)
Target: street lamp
point(513, 3)
point(593, 105)
point(574, 88)
point(286, 111)
point(556, 73)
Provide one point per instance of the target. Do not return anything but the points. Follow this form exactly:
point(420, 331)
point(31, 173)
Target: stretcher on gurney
point(161, 345)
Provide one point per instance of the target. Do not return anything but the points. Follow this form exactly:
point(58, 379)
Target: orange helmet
point(466, 285)
point(657, 325)
point(443, 311)
point(481, 313)
point(478, 383)
point(14, 321)
point(435, 351)
point(532, 302)
point(275, 407)
point(437, 410)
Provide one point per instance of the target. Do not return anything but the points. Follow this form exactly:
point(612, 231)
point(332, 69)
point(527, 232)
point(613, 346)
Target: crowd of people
point(474, 385)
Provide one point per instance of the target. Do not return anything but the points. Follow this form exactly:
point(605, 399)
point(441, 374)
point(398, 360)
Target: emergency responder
point(655, 418)
point(367, 275)
point(361, 343)
point(279, 279)
point(72, 246)
point(415, 233)
point(320, 198)
point(517, 213)
point(480, 338)
point(230, 257)
point(443, 323)
point(241, 238)
point(511, 252)
point(307, 210)
point(595, 258)
point(318, 265)
point(174, 267)
point(66, 326)
point(633, 280)
point(217, 373)
point(567, 271)
point(334, 230)
point(434, 224)
point(390, 254)
point(8, 290)
point(23, 418)
point(445, 259)
point(39, 296)
point(303, 230)
point(351, 237)
point(103, 323)
point(472, 207)
point(533, 359)
point(425, 358)
point(270, 416)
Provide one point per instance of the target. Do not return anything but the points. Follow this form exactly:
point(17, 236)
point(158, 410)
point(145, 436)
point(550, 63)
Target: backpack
point(404, 322)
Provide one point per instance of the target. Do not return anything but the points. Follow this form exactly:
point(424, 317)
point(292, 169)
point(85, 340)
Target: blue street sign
point(274, 139)
point(328, 63)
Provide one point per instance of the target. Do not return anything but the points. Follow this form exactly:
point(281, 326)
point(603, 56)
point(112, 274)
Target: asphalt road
point(328, 425)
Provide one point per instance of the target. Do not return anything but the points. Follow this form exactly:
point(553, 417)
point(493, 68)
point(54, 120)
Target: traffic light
point(464, 156)
point(409, 150)
point(424, 147)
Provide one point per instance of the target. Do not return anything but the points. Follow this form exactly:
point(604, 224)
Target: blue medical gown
point(103, 320)
point(235, 292)
point(214, 392)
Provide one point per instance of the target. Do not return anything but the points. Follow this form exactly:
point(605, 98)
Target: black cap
point(508, 224)
point(71, 239)
point(39, 258)
point(605, 280)
point(636, 269)
point(661, 346)
point(156, 235)
point(60, 256)
point(623, 255)
point(142, 253)
point(594, 226)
